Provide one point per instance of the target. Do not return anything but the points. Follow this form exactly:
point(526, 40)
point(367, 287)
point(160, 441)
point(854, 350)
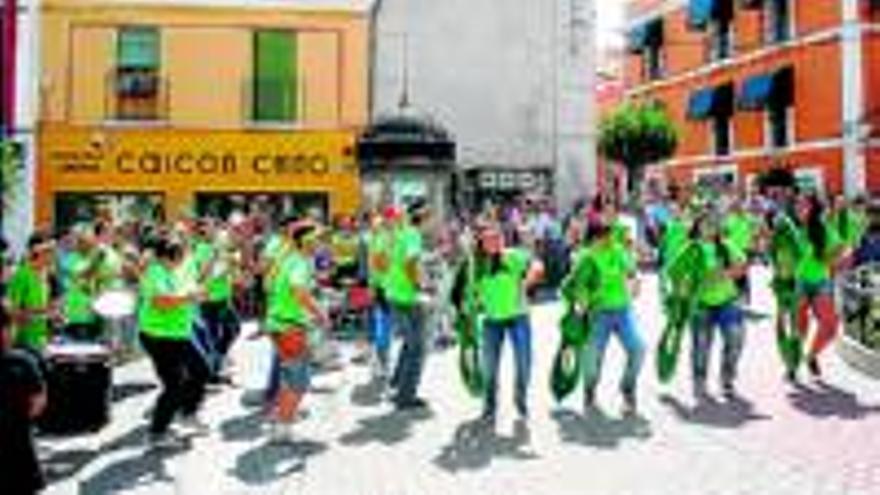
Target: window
point(652, 62)
point(722, 134)
point(275, 77)
point(721, 40)
point(136, 79)
point(779, 130)
point(779, 21)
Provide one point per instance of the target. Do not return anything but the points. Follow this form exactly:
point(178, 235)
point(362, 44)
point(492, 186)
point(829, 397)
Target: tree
point(635, 136)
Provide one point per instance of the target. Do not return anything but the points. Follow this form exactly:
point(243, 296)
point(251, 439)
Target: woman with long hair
point(820, 251)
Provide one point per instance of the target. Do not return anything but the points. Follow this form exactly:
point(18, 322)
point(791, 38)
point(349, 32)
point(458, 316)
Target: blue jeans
point(729, 320)
point(493, 339)
point(408, 323)
point(623, 323)
point(380, 331)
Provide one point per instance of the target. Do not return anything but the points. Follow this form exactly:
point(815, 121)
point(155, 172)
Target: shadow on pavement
point(827, 401)
point(243, 428)
point(389, 429)
point(599, 430)
point(142, 468)
point(368, 394)
point(270, 462)
point(253, 398)
point(733, 413)
point(475, 443)
point(61, 465)
point(125, 391)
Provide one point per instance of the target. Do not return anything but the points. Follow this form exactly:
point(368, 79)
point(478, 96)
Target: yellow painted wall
point(198, 44)
point(181, 164)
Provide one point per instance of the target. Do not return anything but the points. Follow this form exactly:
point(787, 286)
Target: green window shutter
point(275, 76)
point(138, 48)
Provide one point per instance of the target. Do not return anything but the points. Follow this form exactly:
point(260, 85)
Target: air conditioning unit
point(137, 84)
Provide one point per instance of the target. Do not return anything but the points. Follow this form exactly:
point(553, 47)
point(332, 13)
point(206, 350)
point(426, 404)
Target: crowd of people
point(194, 281)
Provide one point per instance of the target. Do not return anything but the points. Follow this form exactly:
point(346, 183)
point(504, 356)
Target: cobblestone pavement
point(777, 439)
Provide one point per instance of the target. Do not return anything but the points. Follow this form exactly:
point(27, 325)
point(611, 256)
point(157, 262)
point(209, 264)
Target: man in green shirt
point(503, 277)
point(218, 263)
point(29, 299)
point(402, 289)
point(166, 318)
point(599, 284)
point(83, 276)
point(739, 228)
point(378, 247)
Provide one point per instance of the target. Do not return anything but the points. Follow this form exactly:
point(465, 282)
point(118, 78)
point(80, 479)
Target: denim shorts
point(295, 374)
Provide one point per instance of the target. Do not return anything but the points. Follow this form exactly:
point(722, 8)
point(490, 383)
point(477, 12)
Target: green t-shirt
point(110, 271)
point(675, 238)
point(406, 247)
point(739, 229)
point(613, 264)
point(218, 280)
point(295, 271)
point(272, 254)
point(175, 323)
point(80, 290)
point(717, 289)
point(813, 267)
point(30, 291)
point(502, 294)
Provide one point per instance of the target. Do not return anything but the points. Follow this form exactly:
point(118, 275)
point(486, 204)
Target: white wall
point(486, 69)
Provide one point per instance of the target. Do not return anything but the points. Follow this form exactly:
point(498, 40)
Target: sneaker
point(194, 425)
point(488, 417)
point(629, 404)
point(729, 390)
point(522, 409)
point(164, 440)
point(815, 369)
point(791, 377)
point(410, 404)
point(281, 433)
point(700, 390)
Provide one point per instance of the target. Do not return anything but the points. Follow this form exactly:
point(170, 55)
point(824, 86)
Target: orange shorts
point(292, 344)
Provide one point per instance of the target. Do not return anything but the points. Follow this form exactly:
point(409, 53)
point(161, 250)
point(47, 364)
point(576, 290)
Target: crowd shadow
point(830, 401)
point(475, 444)
point(389, 429)
point(732, 413)
point(270, 462)
point(369, 393)
point(596, 429)
point(140, 469)
point(63, 464)
point(243, 428)
point(253, 398)
point(125, 391)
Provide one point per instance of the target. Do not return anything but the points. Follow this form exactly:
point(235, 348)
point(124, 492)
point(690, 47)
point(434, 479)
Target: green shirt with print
point(28, 290)
point(739, 229)
point(813, 267)
point(285, 310)
point(501, 293)
point(614, 265)
point(406, 248)
point(172, 323)
point(716, 288)
point(675, 238)
point(378, 243)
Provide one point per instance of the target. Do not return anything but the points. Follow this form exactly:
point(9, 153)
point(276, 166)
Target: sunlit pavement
point(777, 439)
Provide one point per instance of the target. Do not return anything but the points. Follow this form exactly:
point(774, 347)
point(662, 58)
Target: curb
point(859, 357)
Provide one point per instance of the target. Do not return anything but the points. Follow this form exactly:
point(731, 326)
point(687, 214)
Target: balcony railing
point(136, 95)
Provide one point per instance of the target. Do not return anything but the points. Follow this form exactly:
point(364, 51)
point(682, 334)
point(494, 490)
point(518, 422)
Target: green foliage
point(11, 166)
point(637, 135)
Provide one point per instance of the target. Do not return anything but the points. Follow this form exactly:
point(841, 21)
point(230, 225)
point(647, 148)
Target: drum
point(78, 388)
point(115, 304)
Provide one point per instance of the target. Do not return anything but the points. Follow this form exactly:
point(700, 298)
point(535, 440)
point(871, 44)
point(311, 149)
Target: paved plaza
point(777, 439)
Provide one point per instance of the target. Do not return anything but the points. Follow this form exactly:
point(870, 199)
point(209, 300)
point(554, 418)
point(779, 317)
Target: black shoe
point(815, 369)
point(729, 390)
point(522, 409)
point(791, 377)
point(589, 400)
point(488, 417)
point(410, 404)
point(629, 405)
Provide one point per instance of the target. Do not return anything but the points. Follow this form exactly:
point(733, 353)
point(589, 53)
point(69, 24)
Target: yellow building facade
point(189, 102)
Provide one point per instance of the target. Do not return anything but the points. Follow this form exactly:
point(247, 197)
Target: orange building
point(753, 84)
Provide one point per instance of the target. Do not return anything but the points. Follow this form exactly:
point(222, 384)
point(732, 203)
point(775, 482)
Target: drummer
point(84, 264)
point(28, 293)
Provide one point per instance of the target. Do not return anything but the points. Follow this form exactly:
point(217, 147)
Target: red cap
point(391, 213)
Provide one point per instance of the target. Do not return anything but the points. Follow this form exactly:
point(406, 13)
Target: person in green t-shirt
point(502, 277)
point(716, 306)
point(378, 247)
point(402, 287)
point(29, 297)
point(218, 263)
point(739, 228)
point(293, 309)
point(820, 251)
point(166, 319)
point(80, 289)
point(601, 283)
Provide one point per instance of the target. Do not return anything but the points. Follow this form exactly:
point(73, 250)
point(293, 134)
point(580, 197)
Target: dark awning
point(751, 4)
point(706, 102)
point(648, 33)
point(701, 12)
point(776, 88)
point(405, 137)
